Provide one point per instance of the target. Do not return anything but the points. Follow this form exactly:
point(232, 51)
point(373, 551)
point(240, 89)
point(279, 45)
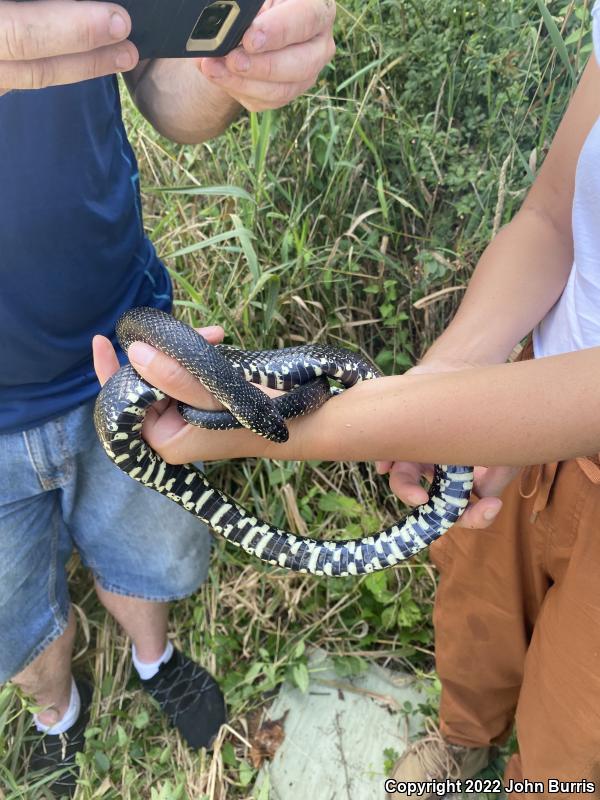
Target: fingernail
point(124, 59)
point(118, 27)
point(208, 330)
point(490, 513)
point(414, 499)
point(258, 40)
point(140, 353)
point(215, 69)
point(241, 62)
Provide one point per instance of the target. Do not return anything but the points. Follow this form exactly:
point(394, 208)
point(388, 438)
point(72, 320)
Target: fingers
point(162, 425)
point(169, 376)
point(383, 467)
point(43, 72)
point(164, 429)
point(492, 481)
point(49, 28)
point(179, 443)
point(54, 42)
point(273, 79)
point(294, 64)
point(289, 22)
point(297, 63)
point(405, 482)
point(283, 52)
point(106, 362)
point(259, 95)
point(481, 514)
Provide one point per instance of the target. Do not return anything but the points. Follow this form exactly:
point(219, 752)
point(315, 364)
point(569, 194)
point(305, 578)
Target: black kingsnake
point(226, 371)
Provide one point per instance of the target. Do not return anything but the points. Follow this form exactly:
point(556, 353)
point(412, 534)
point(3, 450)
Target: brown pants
point(517, 623)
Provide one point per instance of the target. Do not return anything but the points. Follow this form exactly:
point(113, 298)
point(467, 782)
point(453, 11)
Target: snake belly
point(126, 397)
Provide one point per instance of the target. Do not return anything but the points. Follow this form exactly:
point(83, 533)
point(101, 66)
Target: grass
point(356, 217)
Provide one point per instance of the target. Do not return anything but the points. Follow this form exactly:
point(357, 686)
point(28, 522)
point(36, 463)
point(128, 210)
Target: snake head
point(271, 426)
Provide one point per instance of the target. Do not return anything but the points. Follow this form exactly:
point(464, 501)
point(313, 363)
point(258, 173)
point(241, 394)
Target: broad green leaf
point(301, 677)
point(339, 503)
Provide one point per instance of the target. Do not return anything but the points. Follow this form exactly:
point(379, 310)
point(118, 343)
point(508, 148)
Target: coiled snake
point(227, 372)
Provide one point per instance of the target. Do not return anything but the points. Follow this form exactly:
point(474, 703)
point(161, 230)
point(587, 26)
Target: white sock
point(147, 671)
point(69, 718)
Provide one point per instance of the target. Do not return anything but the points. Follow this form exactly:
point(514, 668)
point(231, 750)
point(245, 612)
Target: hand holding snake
point(123, 403)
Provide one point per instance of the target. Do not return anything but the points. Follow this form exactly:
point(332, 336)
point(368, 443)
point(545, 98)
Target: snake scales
point(227, 372)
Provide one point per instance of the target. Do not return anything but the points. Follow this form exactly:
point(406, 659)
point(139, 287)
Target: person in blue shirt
point(517, 612)
point(73, 257)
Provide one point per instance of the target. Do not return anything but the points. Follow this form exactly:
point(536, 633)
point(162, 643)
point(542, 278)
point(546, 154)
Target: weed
point(355, 217)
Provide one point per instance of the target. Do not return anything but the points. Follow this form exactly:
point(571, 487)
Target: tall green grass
point(355, 217)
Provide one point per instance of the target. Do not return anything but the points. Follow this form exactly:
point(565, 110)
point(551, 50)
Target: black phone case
point(161, 28)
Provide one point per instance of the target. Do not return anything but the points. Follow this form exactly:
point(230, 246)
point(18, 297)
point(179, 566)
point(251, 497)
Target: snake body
point(228, 372)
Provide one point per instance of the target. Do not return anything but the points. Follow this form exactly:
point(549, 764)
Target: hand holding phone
point(189, 28)
point(281, 56)
point(50, 42)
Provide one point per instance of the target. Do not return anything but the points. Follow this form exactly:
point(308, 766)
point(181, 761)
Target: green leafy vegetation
point(354, 217)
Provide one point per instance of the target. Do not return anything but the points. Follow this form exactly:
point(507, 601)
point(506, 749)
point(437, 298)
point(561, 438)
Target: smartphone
point(180, 28)
point(192, 28)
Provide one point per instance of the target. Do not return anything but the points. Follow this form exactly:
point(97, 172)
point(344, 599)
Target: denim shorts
point(59, 490)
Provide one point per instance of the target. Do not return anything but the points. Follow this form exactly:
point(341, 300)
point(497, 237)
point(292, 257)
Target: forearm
point(180, 102)
point(509, 414)
point(504, 414)
point(519, 278)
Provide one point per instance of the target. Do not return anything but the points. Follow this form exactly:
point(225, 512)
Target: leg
point(36, 622)
point(492, 584)
point(36, 625)
point(144, 622)
point(48, 678)
point(144, 552)
point(558, 715)
point(138, 544)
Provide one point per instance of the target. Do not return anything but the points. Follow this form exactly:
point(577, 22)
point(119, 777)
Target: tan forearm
point(180, 102)
point(510, 414)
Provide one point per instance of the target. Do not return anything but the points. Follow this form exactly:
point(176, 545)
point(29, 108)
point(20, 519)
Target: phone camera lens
point(212, 20)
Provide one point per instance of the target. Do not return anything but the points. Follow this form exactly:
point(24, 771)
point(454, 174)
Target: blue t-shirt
point(73, 253)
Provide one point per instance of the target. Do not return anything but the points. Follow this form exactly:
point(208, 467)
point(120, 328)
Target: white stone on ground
point(336, 734)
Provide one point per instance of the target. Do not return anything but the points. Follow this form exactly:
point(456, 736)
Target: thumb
point(106, 362)
point(405, 482)
point(492, 481)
